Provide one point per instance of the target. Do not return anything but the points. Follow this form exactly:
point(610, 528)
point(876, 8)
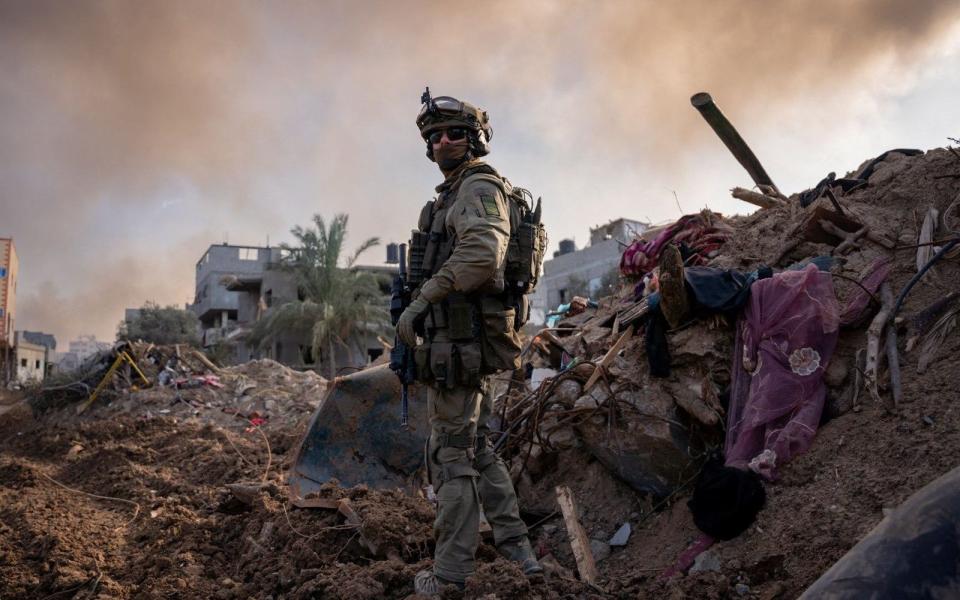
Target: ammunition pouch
point(499, 341)
point(521, 305)
point(431, 243)
point(471, 363)
point(481, 340)
point(528, 242)
point(426, 216)
point(449, 364)
point(442, 366)
point(418, 248)
point(461, 318)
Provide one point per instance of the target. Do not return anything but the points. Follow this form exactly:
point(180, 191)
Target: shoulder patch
point(489, 202)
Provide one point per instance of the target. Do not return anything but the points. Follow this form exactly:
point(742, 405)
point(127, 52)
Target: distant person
point(467, 320)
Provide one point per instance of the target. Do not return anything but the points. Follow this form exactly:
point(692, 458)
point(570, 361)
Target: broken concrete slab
point(689, 394)
point(621, 537)
point(647, 446)
point(697, 341)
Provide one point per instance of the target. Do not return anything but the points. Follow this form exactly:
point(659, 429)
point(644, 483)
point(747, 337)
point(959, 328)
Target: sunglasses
point(454, 134)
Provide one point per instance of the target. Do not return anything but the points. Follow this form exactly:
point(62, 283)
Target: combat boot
point(426, 583)
point(674, 303)
point(519, 551)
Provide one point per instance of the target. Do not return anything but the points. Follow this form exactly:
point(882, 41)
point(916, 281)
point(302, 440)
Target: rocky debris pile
point(602, 400)
point(185, 383)
point(601, 405)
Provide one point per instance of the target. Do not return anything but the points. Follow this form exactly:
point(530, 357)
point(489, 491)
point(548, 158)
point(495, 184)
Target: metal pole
point(731, 138)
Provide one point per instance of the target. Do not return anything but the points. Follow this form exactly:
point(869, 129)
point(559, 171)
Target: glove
point(405, 329)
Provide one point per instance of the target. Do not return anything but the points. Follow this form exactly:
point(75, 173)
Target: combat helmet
point(445, 111)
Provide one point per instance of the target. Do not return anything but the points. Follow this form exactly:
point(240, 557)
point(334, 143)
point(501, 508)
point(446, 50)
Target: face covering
point(449, 156)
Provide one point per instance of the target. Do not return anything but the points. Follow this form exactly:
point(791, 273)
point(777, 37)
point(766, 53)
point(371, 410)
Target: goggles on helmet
point(441, 105)
point(445, 112)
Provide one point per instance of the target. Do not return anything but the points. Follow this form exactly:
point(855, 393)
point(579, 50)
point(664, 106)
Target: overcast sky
point(135, 134)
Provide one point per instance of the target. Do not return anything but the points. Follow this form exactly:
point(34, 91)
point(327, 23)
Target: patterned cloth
point(785, 339)
point(702, 234)
point(877, 273)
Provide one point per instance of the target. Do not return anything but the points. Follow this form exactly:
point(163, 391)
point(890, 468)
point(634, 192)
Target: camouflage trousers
point(466, 476)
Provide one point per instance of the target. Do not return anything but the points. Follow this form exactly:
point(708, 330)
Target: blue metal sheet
point(355, 435)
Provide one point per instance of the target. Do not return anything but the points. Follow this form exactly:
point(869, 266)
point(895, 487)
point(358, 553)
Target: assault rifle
point(401, 356)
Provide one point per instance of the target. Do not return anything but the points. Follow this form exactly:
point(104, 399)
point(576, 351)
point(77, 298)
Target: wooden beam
point(578, 537)
point(608, 358)
point(755, 198)
point(874, 333)
point(206, 361)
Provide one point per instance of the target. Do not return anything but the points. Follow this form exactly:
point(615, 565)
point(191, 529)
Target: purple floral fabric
point(876, 274)
point(785, 339)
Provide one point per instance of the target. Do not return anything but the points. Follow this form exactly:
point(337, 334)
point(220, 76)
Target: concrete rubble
point(187, 384)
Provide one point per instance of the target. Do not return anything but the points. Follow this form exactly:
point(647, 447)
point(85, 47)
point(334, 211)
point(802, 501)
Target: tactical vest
point(482, 326)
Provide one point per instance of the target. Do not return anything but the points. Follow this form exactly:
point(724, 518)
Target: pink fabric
point(785, 339)
point(689, 556)
point(703, 233)
point(877, 273)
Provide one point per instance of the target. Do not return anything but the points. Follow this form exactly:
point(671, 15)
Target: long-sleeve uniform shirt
point(477, 217)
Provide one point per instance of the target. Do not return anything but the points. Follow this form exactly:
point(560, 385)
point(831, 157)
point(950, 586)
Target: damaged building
point(8, 297)
point(236, 286)
point(31, 358)
point(574, 272)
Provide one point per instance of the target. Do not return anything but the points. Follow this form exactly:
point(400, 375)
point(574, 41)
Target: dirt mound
point(132, 507)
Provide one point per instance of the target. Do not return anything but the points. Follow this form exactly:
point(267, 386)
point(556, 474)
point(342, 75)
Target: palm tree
point(337, 305)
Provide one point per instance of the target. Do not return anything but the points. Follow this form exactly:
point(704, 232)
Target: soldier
point(467, 322)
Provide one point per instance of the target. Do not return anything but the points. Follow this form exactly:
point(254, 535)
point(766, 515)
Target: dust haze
point(133, 135)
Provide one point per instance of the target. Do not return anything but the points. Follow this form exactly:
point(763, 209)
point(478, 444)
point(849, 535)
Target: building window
point(248, 253)
point(38, 365)
point(23, 362)
point(3, 272)
point(306, 354)
point(268, 298)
